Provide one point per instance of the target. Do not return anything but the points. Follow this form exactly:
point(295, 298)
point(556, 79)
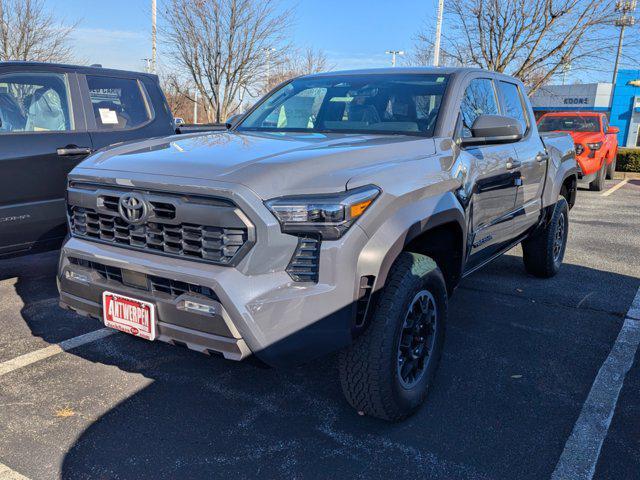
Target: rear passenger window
point(34, 102)
point(513, 103)
point(118, 103)
point(479, 99)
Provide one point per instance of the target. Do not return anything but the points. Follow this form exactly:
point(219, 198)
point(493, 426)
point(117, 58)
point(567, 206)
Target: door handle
point(511, 164)
point(71, 150)
point(542, 157)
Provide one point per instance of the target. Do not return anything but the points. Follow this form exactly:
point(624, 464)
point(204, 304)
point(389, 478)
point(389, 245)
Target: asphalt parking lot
point(521, 358)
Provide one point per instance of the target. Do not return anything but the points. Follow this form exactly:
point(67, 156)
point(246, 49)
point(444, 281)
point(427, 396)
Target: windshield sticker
point(108, 117)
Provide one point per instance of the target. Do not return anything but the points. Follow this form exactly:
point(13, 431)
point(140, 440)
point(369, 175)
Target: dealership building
point(621, 103)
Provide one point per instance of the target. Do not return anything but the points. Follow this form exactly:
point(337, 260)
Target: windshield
point(569, 123)
point(405, 104)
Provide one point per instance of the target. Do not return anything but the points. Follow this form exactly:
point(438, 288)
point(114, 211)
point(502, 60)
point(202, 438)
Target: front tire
point(388, 370)
point(543, 252)
point(598, 184)
point(611, 169)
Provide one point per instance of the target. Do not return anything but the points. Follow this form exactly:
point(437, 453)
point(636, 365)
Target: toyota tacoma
point(338, 214)
point(596, 143)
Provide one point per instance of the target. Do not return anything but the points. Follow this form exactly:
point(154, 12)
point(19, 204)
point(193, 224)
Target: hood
point(271, 164)
point(586, 137)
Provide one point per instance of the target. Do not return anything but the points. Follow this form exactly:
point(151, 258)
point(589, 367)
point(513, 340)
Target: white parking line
point(7, 474)
point(32, 357)
point(582, 450)
point(614, 188)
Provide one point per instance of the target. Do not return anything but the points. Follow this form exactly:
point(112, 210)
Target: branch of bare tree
point(531, 40)
point(29, 32)
point(223, 46)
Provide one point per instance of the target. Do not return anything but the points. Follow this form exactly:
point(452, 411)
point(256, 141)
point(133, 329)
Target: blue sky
point(352, 33)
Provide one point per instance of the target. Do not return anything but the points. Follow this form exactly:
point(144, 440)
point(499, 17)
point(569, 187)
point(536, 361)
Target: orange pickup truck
point(596, 143)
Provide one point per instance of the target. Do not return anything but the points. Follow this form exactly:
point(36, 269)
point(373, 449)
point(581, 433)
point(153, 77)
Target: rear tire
point(388, 370)
point(543, 252)
point(611, 169)
point(598, 184)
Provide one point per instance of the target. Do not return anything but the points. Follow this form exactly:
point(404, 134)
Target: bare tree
point(532, 40)
point(294, 65)
point(221, 46)
point(28, 31)
point(179, 98)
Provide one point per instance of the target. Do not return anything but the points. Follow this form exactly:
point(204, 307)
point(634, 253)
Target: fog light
point(78, 277)
point(199, 307)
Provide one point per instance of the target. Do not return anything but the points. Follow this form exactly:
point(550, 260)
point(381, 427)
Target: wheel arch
point(440, 236)
point(569, 189)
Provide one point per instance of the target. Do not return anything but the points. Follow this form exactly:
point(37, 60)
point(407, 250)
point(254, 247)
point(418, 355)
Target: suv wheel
point(543, 252)
point(611, 169)
point(387, 371)
point(598, 184)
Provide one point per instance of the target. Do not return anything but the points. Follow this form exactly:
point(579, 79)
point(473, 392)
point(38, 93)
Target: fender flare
point(391, 238)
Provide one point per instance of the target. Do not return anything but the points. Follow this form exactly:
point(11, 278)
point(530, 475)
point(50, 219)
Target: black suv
point(52, 117)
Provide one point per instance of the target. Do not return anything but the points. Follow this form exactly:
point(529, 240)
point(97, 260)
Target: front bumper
point(266, 314)
point(588, 167)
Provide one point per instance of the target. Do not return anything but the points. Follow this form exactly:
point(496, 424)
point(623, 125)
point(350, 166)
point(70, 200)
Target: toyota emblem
point(133, 209)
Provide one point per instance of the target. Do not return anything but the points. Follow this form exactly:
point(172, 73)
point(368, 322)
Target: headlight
point(329, 216)
point(594, 146)
point(579, 149)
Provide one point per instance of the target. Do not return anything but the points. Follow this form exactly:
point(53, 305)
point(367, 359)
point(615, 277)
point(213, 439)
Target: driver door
point(42, 137)
point(493, 198)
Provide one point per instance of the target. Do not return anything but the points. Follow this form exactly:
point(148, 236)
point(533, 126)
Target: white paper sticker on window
point(108, 117)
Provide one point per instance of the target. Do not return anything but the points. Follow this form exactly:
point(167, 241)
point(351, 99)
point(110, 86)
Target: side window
point(479, 99)
point(514, 104)
point(118, 103)
point(605, 124)
point(34, 102)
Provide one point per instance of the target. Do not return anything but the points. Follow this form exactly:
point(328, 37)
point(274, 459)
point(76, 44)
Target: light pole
point(625, 20)
point(436, 43)
point(268, 52)
point(153, 36)
point(393, 54)
point(195, 106)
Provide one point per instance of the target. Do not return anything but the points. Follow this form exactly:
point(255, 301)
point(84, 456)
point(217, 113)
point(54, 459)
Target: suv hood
point(271, 164)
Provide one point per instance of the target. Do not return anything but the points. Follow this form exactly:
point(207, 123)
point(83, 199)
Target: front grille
point(160, 209)
point(175, 225)
point(305, 263)
point(155, 284)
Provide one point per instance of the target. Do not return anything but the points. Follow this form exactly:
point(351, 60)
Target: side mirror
point(613, 130)
point(233, 120)
point(492, 129)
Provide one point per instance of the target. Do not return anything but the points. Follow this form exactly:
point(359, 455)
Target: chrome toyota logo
point(133, 208)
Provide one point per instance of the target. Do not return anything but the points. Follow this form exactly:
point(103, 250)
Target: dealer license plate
point(129, 315)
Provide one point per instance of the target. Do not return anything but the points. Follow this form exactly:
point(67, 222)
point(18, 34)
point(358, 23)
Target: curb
point(627, 175)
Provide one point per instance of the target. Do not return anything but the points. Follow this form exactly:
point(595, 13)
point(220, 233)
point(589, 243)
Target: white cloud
point(122, 49)
point(351, 60)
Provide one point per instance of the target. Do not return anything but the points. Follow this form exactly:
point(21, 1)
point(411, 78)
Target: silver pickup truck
point(338, 214)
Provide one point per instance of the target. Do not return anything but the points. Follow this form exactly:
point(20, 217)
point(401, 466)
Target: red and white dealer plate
point(129, 315)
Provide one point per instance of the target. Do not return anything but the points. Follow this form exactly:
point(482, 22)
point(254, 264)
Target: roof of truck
point(407, 70)
point(573, 113)
point(84, 68)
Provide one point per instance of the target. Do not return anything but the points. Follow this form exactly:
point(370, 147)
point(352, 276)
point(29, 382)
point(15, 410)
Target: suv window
point(479, 99)
point(605, 124)
point(513, 103)
point(34, 102)
point(118, 103)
